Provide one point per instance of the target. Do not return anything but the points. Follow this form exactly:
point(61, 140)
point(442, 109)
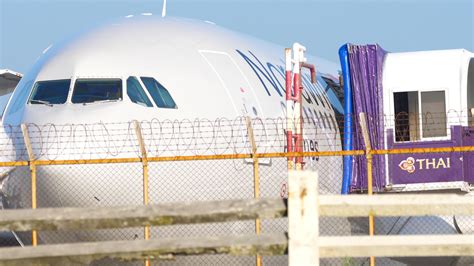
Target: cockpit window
point(136, 93)
point(50, 92)
point(160, 95)
point(97, 90)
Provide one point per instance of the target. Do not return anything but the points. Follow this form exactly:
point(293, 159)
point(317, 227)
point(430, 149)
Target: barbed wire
point(203, 136)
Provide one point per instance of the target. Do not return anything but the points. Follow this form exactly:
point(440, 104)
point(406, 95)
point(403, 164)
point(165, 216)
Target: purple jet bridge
point(382, 84)
point(432, 171)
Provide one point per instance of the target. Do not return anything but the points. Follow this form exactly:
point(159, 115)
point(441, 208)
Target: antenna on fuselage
point(163, 11)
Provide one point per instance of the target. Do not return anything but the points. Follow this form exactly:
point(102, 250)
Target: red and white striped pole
point(294, 104)
point(289, 106)
point(299, 59)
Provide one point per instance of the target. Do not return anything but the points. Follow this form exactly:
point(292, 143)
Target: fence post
point(31, 158)
point(368, 154)
point(144, 159)
point(256, 177)
point(303, 216)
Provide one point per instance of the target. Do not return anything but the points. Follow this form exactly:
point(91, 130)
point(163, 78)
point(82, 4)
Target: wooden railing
point(303, 243)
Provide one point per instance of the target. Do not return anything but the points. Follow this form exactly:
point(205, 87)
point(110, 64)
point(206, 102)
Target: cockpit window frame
point(161, 89)
point(76, 79)
point(34, 88)
point(143, 89)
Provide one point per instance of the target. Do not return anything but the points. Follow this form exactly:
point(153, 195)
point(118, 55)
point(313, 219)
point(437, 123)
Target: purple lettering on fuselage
point(314, 94)
point(260, 71)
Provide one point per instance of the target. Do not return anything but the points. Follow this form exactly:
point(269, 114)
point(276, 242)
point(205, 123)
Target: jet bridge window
point(433, 108)
point(160, 94)
point(420, 115)
point(136, 93)
point(97, 90)
point(50, 92)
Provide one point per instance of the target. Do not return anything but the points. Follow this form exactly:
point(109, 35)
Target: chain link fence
point(201, 160)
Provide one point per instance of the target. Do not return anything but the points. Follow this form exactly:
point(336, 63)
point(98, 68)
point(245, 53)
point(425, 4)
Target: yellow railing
point(241, 156)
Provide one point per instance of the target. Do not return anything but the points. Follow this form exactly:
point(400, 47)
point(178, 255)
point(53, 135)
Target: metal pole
point(144, 159)
point(289, 109)
point(256, 177)
point(31, 156)
point(370, 193)
point(299, 62)
point(298, 55)
point(368, 154)
point(34, 234)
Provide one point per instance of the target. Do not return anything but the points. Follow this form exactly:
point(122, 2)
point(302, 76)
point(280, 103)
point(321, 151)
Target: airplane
point(169, 69)
point(181, 79)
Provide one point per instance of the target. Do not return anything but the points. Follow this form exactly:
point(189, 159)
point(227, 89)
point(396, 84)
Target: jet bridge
point(8, 81)
point(412, 100)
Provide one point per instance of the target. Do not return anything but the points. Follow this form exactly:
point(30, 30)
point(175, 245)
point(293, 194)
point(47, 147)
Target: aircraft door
point(242, 96)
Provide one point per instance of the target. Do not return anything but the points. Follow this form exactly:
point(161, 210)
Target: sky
point(27, 27)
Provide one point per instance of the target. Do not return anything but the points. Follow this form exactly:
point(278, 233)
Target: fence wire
point(176, 173)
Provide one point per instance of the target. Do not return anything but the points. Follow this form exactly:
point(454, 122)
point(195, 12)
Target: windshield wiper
point(42, 102)
point(102, 101)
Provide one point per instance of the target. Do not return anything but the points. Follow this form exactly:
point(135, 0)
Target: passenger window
point(97, 90)
point(136, 93)
point(160, 95)
point(50, 92)
point(410, 125)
